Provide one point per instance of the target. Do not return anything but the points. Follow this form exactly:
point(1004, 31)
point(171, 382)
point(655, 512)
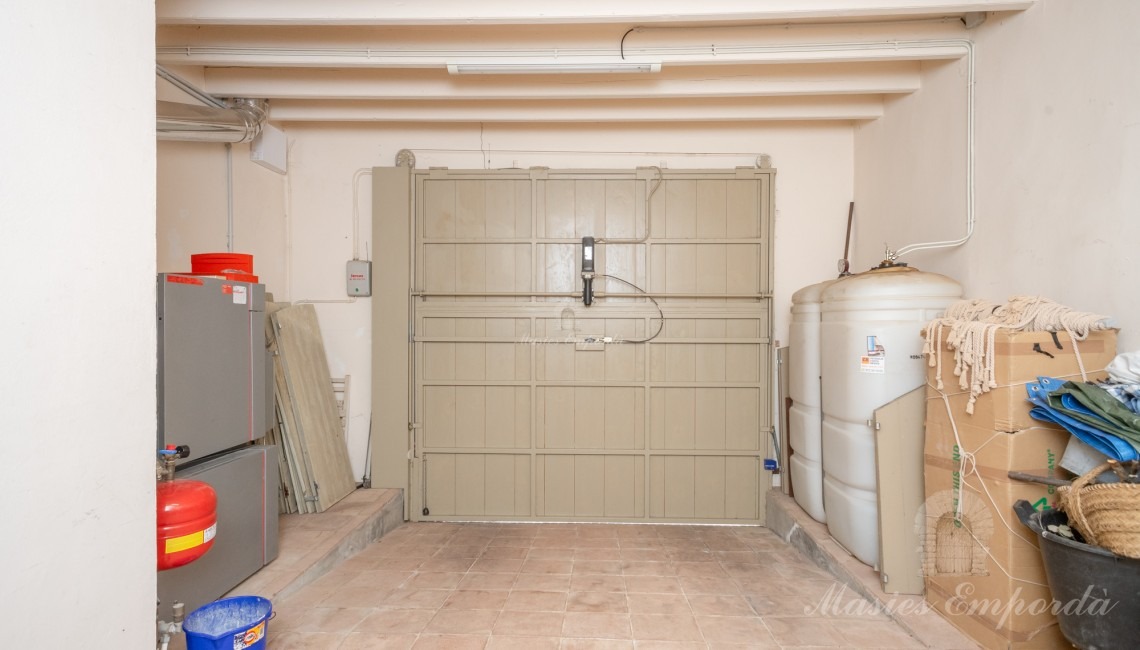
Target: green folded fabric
point(1107, 413)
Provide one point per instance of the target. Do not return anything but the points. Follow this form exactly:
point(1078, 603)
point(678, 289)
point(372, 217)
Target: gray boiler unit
point(215, 396)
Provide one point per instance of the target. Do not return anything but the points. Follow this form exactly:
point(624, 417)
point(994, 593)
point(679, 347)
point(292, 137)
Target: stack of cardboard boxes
point(983, 568)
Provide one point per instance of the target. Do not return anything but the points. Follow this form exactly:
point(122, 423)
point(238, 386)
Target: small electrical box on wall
point(269, 149)
point(359, 274)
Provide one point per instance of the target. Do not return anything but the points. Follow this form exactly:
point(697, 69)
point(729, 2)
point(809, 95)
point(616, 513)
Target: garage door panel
point(439, 477)
point(743, 264)
point(507, 267)
point(470, 484)
point(589, 418)
point(592, 417)
point(742, 207)
point(681, 209)
point(477, 485)
point(742, 418)
point(709, 363)
point(711, 328)
point(672, 429)
point(625, 486)
point(680, 268)
point(556, 360)
point(500, 361)
point(438, 361)
point(503, 496)
point(746, 328)
point(589, 208)
point(507, 362)
point(502, 414)
point(470, 416)
point(680, 418)
point(558, 486)
point(712, 488)
point(557, 208)
point(590, 365)
point(624, 211)
point(624, 362)
point(439, 265)
point(470, 361)
point(624, 418)
point(626, 261)
point(471, 270)
point(556, 429)
point(471, 327)
point(742, 488)
point(439, 416)
point(470, 209)
point(439, 209)
point(507, 207)
point(658, 271)
point(742, 363)
point(709, 405)
point(503, 328)
point(679, 487)
point(712, 269)
point(680, 360)
point(709, 486)
point(589, 486)
point(560, 266)
point(438, 327)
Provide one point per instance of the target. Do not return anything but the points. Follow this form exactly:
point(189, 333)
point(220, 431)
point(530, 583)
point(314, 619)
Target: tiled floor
point(578, 586)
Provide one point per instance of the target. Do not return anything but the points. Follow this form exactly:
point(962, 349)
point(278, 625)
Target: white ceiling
point(734, 60)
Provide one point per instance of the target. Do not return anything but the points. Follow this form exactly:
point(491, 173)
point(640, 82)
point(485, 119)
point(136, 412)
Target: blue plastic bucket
point(237, 623)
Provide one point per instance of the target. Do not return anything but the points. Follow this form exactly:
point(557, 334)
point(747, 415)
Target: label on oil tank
point(875, 360)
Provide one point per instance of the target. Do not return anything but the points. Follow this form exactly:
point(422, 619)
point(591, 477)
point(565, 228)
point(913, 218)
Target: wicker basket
point(1107, 514)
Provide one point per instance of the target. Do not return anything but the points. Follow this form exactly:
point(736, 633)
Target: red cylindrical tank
point(187, 521)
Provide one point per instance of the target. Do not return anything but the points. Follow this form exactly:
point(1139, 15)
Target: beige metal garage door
point(519, 416)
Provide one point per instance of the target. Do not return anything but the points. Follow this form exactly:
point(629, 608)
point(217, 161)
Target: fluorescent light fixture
point(551, 68)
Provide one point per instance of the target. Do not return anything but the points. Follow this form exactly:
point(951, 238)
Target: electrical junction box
point(268, 149)
point(359, 278)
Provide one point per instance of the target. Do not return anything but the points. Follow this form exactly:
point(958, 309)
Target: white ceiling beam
point(718, 55)
point(545, 38)
point(505, 12)
point(845, 108)
point(736, 81)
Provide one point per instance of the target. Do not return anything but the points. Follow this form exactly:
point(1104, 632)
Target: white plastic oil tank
point(871, 353)
point(805, 418)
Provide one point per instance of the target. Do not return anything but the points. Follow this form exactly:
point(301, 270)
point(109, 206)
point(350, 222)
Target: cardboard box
point(984, 572)
point(1016, 363)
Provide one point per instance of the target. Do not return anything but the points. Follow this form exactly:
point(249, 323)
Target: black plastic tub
point(1096, 593)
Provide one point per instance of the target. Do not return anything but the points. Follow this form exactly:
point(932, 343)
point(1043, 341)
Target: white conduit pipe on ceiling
point(217, 120)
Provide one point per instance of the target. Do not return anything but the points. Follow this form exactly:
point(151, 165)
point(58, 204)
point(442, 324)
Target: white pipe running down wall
point(969, 47)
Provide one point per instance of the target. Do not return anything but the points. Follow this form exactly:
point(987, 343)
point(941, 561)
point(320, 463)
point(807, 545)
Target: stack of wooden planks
point(315, 469)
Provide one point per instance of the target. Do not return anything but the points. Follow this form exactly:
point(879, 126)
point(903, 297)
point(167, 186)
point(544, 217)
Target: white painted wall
point(77, 389)
point(813, 187)
point(1058, 152)
point(192, 208)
